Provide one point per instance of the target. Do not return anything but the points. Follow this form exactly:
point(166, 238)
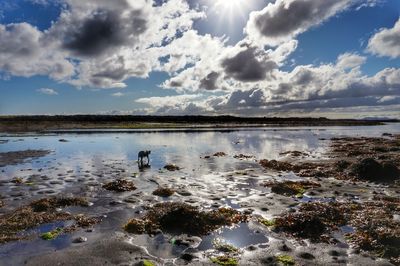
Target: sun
point(229, 4)
point(229, 9)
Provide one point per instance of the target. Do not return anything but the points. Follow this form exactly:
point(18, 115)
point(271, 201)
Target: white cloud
point(348, 60)
point(47, 91)
point(386, 42)
point(306, 88)
point(25, 52)
point(118, 94)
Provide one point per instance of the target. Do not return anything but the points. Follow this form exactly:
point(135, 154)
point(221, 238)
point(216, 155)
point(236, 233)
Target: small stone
point(334, 253)
point(284, 247)
point(306, 256)
point(80, 239)
point(187, 257)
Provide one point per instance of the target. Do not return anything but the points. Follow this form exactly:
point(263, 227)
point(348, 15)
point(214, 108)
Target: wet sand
point(303, 198)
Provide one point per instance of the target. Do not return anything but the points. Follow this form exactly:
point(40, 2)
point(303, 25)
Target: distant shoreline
point(103, 123)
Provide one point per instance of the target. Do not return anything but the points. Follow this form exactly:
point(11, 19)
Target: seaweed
point(219, 154)
point(267, 223)
point(222, 246)
point(375, 229)
point(294, 153)
point(13, 224)
point(163, 192)
point(148, 263)
point(369, 159)
point(176, 217)
point(120, 185)
point(243, 156)
point(17, 180)
point(52, 234)
point(276, 165)
point(50, 204)
point(285, 260)
point(291, 188)
point(224, 260)
point(135, 226)
point(172, 167)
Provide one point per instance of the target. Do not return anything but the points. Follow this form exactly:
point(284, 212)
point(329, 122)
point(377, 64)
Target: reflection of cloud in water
point(99, 157)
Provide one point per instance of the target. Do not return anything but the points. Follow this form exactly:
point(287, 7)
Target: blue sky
point(315, 46)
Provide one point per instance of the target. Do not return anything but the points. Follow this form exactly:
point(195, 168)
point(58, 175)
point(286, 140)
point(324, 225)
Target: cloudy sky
point(336, 58)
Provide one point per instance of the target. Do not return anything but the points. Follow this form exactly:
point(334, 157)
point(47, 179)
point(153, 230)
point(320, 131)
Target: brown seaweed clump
point(291, 188)
point(182, 218)
point(369, 159)
point(243, 156)
point(1, 203)
point(50, 204)
point(172, 167)
point(295, 153)
point(376, 230)
point(219, 154)
point(120, 185)
point(276, 165)
point(313, 220)
point(163, 192)
point(15, 223)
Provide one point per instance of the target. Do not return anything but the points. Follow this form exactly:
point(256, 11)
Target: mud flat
point(18, 157)
point(303, 197)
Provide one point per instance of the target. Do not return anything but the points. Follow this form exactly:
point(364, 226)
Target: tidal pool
point(82, 162)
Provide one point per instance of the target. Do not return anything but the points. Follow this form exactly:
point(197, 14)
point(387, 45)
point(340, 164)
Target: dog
point(144, 154)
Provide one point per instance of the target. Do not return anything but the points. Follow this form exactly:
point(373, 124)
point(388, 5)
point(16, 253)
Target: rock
point(80, 239)
point(306, 256)
point(116, 202)
point(251, 248)
point(192, 241)
point(187, 257)
point(184, 193)
point(390, 171)
point(285, 248)
point(334, 253)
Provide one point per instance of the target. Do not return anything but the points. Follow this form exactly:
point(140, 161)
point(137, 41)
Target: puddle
point(306, 199)
point(239, 236)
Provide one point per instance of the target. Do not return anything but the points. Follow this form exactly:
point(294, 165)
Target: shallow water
point(79, 167)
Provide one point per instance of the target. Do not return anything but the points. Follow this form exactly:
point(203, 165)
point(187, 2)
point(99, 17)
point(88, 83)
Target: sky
point(333, 58)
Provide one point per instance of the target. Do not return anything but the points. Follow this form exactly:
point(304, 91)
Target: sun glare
point(229, 10)
point(229, 4)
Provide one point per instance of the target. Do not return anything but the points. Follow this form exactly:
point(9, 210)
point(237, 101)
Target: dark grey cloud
point(103, 30)
point(246, 67)
point(285, 19)
point(210, 81)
